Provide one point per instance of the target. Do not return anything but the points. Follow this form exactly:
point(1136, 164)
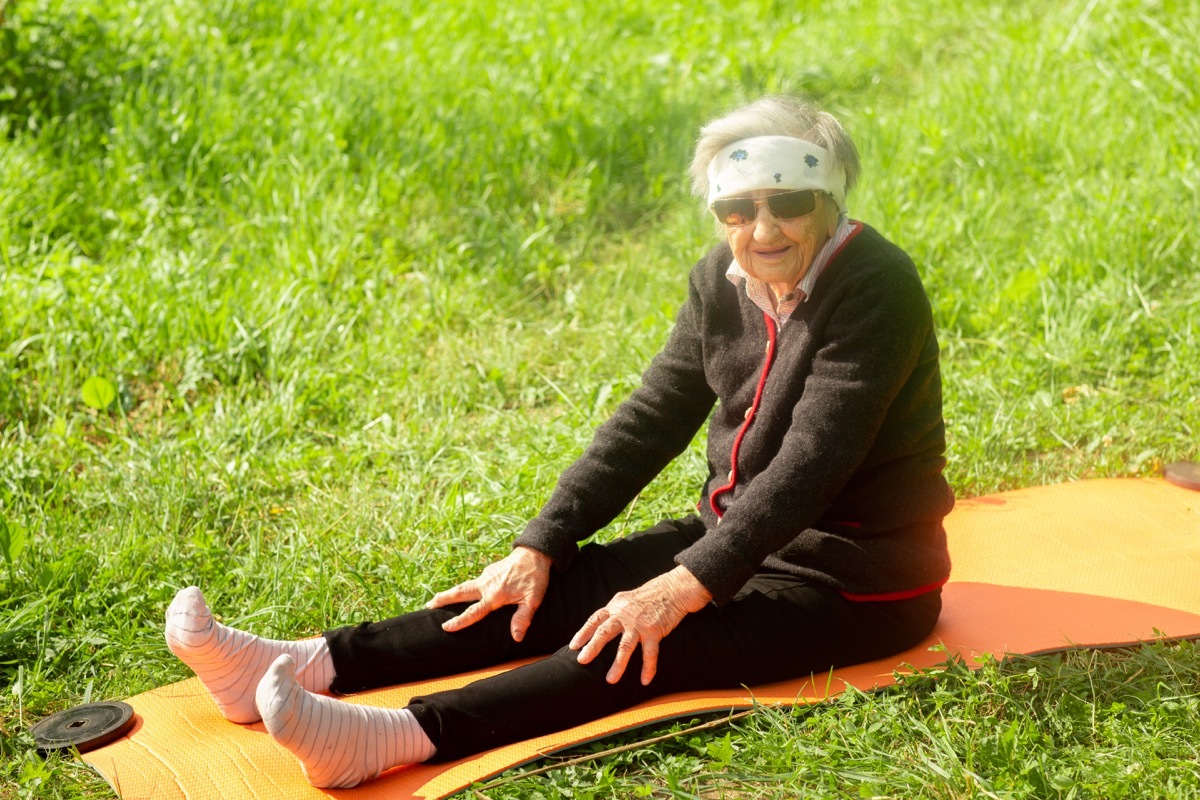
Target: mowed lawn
point(310, 304)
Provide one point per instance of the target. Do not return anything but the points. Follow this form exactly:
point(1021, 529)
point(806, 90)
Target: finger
point(649, 660)
point(472, 614)
point(604, 634)
point(521, 620)
point(467, 590)
point(584, 634)
point(624, 653)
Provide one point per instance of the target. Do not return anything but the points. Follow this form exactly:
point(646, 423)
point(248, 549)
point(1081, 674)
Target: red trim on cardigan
point(857, 229)
point(737, 443)
point(886, 597)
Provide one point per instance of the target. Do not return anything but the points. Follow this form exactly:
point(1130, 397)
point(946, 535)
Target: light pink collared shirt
point(760, 294)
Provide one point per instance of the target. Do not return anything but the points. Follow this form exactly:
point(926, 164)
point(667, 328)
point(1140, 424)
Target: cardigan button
point(749, 411)
point(730, 476)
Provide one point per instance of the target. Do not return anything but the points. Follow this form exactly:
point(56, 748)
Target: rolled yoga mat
point(1101, 563)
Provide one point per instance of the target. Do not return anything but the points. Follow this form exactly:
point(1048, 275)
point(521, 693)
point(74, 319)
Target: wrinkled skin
point(643, 616)
point(519, 579)
point(780, 251)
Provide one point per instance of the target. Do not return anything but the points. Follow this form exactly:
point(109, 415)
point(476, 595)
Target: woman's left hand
point(643, 616)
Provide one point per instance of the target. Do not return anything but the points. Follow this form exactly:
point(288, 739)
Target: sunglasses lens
point(734, 211)
point(790, 205)
point(738, 211)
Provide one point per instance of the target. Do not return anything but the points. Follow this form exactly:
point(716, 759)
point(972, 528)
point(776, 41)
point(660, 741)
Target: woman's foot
point(230, 663)
point(339, 744)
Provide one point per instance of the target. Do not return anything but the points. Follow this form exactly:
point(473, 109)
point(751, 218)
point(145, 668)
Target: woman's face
point(779, 252)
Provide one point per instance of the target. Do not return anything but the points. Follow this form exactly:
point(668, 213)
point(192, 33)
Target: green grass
point(358, 281)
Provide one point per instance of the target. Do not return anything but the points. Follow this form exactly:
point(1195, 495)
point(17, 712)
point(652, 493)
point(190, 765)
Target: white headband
point(774, 162)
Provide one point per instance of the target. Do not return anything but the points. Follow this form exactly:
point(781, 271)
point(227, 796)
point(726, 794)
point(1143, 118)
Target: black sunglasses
point(738, 211)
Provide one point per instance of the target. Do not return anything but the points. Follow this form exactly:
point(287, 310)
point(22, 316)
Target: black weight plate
point(84, 727)
point(1183, 473)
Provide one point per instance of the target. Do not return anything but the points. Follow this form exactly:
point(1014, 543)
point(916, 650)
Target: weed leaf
point(12, 540)
point(98, 393)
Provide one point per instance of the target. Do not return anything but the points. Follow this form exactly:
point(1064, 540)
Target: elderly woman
point(807, 341)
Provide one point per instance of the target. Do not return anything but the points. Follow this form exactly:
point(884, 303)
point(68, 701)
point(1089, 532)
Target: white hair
point(774, 115)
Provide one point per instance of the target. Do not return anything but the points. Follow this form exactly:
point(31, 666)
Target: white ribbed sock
point(339, 744)
point(230, 663)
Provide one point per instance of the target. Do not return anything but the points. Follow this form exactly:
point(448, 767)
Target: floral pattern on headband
point(776, 162)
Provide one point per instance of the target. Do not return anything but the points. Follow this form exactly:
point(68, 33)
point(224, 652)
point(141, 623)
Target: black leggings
point(778, 627)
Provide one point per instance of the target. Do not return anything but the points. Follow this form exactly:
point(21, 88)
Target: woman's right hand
point(518, 579)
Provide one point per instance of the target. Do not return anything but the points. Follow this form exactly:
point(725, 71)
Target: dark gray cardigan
point(826, 447)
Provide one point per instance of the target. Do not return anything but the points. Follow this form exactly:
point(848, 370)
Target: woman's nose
point(765, 223)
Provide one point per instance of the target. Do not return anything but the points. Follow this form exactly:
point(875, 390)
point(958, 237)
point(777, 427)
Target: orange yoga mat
point(1092, 564)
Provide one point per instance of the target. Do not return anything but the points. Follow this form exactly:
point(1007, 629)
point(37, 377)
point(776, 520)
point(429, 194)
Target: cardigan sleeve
point(876, 335)
point(646, 432)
